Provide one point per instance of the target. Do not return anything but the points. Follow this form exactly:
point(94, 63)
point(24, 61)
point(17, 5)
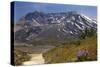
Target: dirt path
point(37, 57)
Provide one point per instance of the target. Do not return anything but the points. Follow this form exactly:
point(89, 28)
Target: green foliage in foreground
point(67, 52)
point(20, 57)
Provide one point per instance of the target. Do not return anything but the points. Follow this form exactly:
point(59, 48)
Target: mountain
point(63, 26)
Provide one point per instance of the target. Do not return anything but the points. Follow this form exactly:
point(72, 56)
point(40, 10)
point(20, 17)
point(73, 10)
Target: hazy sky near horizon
point(22, 8)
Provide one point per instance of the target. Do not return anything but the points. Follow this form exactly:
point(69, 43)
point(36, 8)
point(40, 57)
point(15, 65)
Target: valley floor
point(66, 52)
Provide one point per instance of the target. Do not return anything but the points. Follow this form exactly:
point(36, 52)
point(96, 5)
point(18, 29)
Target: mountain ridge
point(39, 26)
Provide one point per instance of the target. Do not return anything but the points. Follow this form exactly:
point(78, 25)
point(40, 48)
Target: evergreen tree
point(87, 33)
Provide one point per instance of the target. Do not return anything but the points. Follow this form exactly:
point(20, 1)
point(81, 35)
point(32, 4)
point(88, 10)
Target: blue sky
point(22, 8)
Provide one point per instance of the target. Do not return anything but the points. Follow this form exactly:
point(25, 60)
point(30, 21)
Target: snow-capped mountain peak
point(56, 26)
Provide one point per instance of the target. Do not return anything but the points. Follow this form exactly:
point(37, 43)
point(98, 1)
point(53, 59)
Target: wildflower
point(82, 55)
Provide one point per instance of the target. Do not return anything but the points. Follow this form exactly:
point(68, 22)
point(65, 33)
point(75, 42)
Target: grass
point(67, 51)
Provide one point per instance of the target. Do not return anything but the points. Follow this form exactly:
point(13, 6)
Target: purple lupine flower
point(81, 53)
